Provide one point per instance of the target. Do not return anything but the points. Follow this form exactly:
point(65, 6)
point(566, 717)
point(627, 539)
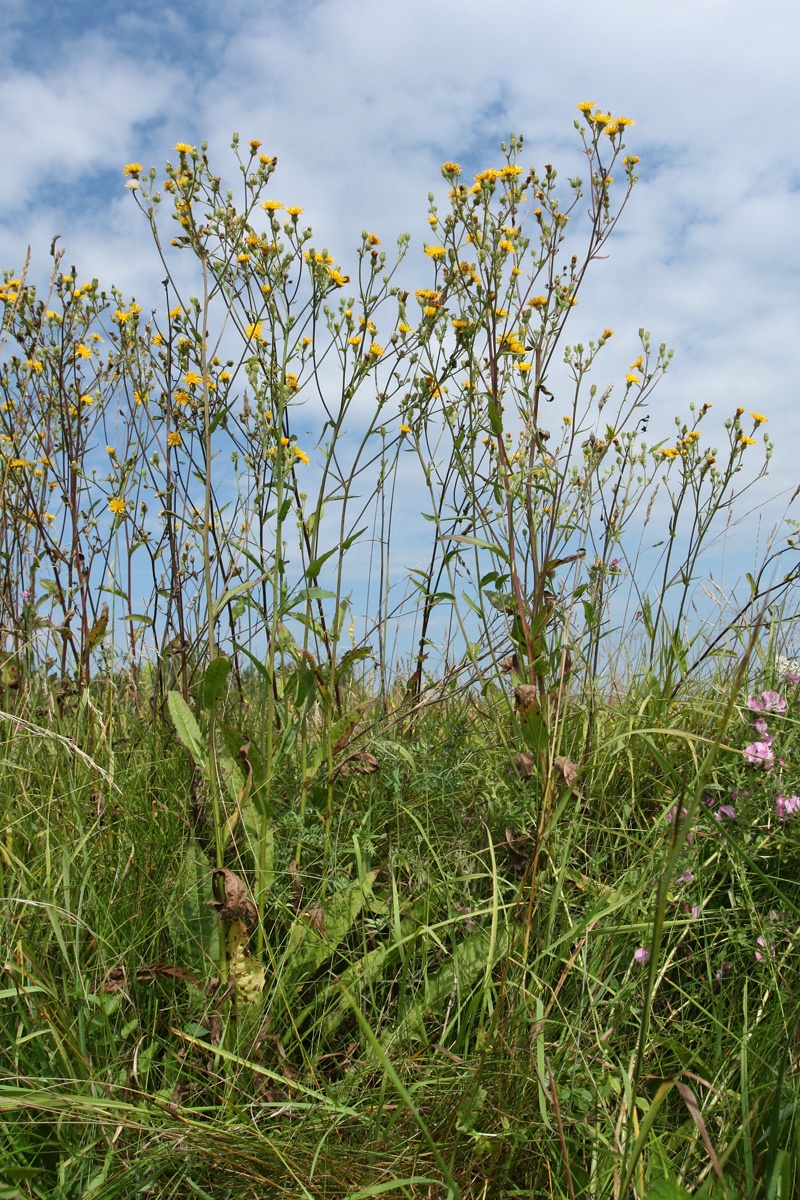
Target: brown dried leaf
point(316, 918)
point(510, 665)
point(237, 905)
point(517, 845)
point(526, 697)
point(295, 885)
point(525, 764)
point(569, 769)
point(359, 763)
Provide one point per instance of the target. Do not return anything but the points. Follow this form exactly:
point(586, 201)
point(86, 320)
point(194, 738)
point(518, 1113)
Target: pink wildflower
point(759, 754)
point(726, 810)
point(769, 702)
point(641, 956)
point(787, 806)
point(760, 942)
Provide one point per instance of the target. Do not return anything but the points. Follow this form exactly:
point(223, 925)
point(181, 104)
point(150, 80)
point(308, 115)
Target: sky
point(362, 102)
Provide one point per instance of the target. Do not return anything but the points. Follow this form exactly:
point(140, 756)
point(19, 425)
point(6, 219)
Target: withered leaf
point(517, 845)
point(525, 764)
point(237, 905)
point(526, 697)
point(115, 980)
point(569, 769)
point(359, 763)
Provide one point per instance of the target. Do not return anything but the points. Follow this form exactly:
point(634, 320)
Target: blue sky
point(363, 101)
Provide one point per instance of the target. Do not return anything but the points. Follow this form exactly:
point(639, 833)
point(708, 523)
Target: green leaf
point(667, 1189)
point(188, 730)
point(214, 681)
point(239, 590)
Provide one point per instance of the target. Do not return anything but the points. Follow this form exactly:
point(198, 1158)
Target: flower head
point(787, 806)
point(769, 702)
point(641, 956)
point(117, 505)
point(759, 754)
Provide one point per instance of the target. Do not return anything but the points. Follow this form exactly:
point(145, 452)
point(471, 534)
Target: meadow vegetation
point(324, 872)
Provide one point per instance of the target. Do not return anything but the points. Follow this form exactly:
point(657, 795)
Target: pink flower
point(791, 677)
point(787, 806)
point(641, 956)
point(759, 754)
point(726, 810)
point(760, 942)
point(761, 726)
point(724, 969)
point(686, 877)
point(769, 702)
point(673, 812)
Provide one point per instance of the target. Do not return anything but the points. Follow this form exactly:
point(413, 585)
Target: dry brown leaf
point(569, 769)
point(237, 905)
point(525, 764)
point(526, 696)
point(359, 763)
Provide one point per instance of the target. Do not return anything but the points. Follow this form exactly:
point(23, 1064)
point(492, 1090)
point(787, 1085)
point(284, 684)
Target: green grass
point(444, 1008)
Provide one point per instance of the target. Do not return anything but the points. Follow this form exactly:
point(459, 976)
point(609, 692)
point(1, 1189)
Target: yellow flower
point(606, 334)
point(632, 377)
point(157, 339)
point(83, 351)
point(524, 366)
point(636, 365)
point(191, 378)
point(224, 376)
point(254, 330)
point(405, 328)
point(759, 418)
point(284, 441)
point(175, 312)
point(110, 450)
point(132, 169)
point(19, 462)
point(451, 168)
point(586, 106)
point(567, 420)
point(254, 144)
point(630, 160)
point(669, 452)
point(375, 350)
point(407, 428)
point(435, 251)
point(355, 340)
point(117, 505)
point(506, 245)
point(338, 278)
point(429, 310)
point(181, 397)
point(294, 210)
point(301, 455)
point(747, 441)
point(271, 205)
point(242, 258)
point(121, 316)
point(538, 302)
point(739, 412)
point(34, 365)
point(173, 438)
point(184, 148)
point(140, 397)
